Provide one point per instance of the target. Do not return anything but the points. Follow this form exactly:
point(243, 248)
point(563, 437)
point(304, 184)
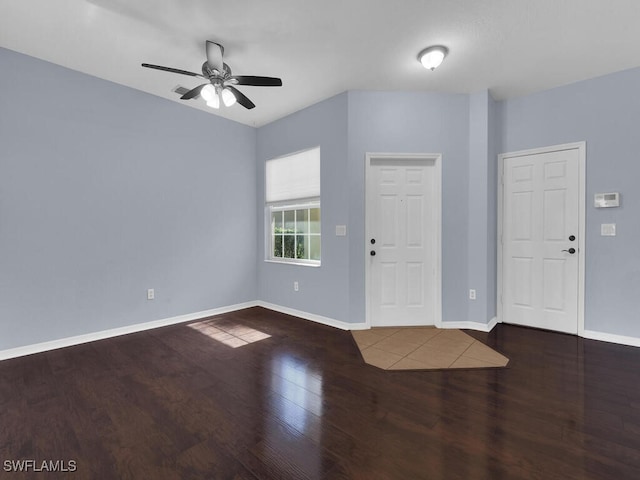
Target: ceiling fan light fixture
point(432, 57)
point(214, 102)
point(228, 97)
point(219, 88)
point(207, 93)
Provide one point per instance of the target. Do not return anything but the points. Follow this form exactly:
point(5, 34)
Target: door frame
point(582, 164)
point(436, 158)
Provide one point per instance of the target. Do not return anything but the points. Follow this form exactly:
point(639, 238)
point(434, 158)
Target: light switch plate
point(608, 229)
point(341, 230)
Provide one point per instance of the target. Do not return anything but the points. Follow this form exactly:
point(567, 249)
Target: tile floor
point(424, 348)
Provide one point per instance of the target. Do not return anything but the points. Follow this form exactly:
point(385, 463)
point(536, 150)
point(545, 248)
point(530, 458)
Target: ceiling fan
point(221, 86)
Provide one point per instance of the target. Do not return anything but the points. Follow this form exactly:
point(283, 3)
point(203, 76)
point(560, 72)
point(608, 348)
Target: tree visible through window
point(295, 232)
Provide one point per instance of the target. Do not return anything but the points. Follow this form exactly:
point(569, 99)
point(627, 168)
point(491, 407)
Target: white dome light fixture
point(432, 57)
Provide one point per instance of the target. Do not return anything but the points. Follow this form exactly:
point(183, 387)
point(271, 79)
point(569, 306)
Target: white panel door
point(402, 241)
point(540, 240)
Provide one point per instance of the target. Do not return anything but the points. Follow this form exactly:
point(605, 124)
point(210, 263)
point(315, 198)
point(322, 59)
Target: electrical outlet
point(296, 287)
point(151, 294)
point(472, 294)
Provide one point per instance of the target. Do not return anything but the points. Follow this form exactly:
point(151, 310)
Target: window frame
point(292, 206)
point(286, 183)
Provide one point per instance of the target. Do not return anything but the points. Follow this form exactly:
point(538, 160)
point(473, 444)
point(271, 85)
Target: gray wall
point(604, 112)
point(106, 191)
point(323, 290)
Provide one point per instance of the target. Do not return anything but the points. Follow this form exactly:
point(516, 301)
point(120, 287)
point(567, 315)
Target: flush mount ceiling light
point(432, 57)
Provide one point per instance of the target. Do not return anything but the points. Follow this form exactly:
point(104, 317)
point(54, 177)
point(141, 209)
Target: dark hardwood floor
point(175, 403)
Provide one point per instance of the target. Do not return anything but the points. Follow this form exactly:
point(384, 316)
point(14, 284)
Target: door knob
point(372, 253)
point(572, 238)
point(571, 250)
point(373, 241)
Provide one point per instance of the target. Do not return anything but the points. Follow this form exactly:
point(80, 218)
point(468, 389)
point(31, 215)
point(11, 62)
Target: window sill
point(294, 263)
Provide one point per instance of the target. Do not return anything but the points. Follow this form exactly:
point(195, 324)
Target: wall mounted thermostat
point(606, 200)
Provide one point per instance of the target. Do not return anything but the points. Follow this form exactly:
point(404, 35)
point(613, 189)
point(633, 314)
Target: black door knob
point(571, 250)
point(572, 238)
point(373, 241)
point(372, 253)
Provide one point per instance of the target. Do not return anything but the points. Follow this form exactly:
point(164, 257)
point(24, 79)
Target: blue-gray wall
point(346, 127)
point(323, 290)
point(495, 141)
point(106, 191)
point(604, 112)
point(420, 122)
point(484, 128)
point(479, 204)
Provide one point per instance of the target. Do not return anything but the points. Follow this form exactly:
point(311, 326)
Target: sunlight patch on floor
point(231, 334)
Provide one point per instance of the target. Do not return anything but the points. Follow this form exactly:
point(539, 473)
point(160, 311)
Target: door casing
point(581, 147)
point(436, 158)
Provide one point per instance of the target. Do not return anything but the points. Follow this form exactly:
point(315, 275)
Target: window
point(293, 208)
point(295, 233)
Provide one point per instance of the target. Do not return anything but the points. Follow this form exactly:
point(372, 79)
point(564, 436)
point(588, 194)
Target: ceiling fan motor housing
point(212, 73)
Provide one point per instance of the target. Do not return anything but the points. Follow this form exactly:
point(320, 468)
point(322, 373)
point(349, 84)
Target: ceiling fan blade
point(258, 81)
point(241, 98)
point(194, 92)
point(215, 51)
point(173, 70)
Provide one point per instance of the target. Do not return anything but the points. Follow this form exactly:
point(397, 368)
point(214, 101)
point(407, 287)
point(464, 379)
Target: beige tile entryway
point(424, 348)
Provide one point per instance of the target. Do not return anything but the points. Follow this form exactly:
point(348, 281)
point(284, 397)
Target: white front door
point(541, 239)
point(403, 240)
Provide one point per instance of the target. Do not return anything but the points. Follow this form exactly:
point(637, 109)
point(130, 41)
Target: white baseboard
point(609, 337)
point(492, 323)
point(115, 332)
point(313, 317)
point(139, 327)
point(481, 327)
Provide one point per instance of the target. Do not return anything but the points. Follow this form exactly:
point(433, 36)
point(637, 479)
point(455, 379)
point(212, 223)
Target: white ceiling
point(321, 48)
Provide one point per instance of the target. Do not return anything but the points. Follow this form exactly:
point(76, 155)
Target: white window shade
point(293, 177)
